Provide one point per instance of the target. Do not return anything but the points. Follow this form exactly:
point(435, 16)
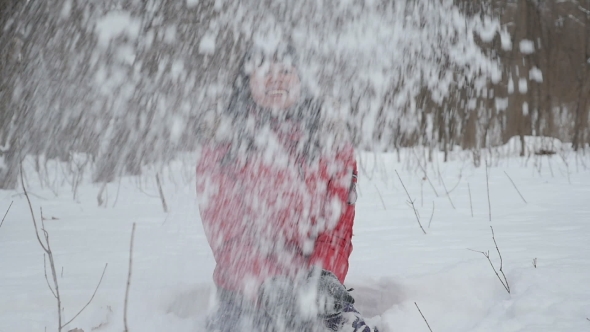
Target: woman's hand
point(331, 296)
point(318, 294)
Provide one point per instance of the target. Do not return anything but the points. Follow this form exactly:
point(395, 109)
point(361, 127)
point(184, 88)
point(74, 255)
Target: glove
point(331, 296)
point(278, 298)
point(319, 295)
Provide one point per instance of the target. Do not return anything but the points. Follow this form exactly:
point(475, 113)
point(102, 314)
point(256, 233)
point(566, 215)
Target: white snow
point(170, 34)
point(510, 85)
point(66, 9)
point(487, 29)
point(177, 128)
point(114, 24)
point(392, 266)
point(505, 40)
point(526, 46)
point(501, 103)
point(523, 86)
point(535, 74)
point(191, 3)
point(525, 108)
point(207, 44)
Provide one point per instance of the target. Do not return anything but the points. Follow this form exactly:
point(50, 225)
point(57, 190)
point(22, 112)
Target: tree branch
point(513, 184)
point(31, 209)
point(432, 215)
point(128, 279)
point(470, 201)
point(423, 316)
point(46, 279)
point(161, 192)
point(2, 222)
point(410, 201)
point(501, 269)
point(91, 298)
point(382, 201)
point(488, 187)
point(447, 192)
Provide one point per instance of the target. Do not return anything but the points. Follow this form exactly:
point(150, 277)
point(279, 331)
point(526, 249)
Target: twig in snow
point(470, 202)
point(117, 194)
point(99, 196)
point(410, 201)
point(488, 187)
point(5, 214)
point(431, 215)
point(382, 201)
point(502, 279)
point(446, 191)
point(161, 193)
point(535, 262)
point(91, 298)
point(458, 181)
point(421, 314)
point(550, 167)
point(128, 279)
point(47, 249)
point(425, 175)
point(422, 192)
point(46, 279)
point(567, 167)
point(509, 178)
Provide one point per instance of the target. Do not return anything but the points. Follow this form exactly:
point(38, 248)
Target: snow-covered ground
point(393, 264)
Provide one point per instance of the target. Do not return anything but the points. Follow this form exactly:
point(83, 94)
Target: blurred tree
point(125, 81)
point(11, 44)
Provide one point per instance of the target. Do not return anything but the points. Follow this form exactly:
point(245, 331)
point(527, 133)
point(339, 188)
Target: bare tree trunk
point(10, 65)
point(581, 115)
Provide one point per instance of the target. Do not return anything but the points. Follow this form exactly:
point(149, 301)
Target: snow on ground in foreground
point(392, 266)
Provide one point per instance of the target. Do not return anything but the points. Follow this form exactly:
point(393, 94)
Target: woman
point(276, 189)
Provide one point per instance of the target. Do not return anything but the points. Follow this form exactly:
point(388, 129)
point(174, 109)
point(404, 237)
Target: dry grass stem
point(411, 202)
point(431, 215)
point(447, 192)
point(502, 278)
point(425, 175)
point(421, 314)
point(381, 197)
point(5, 214)
point(128, 279)
point(47, 249)
point(99, 198)
point(488, 189)
point(161, 192)
point(117, 194)
point(422, 192)
point(470, 201)
point(46, 279)
point(515, 187)
point(48, 255)
point(91, 298)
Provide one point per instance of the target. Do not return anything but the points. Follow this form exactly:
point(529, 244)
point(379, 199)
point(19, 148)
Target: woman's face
point(275, 86)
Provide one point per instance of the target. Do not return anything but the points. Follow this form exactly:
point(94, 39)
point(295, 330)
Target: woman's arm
point(240, 267)
point(333, 247)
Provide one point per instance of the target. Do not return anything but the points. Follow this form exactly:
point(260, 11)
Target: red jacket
point(271, 213)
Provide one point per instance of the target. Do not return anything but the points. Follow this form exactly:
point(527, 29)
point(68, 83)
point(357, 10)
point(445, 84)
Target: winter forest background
point(110, 86)
point(120, 94)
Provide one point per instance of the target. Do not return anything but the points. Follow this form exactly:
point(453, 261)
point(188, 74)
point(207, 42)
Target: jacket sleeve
point(333, 247)
point(240, 267)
